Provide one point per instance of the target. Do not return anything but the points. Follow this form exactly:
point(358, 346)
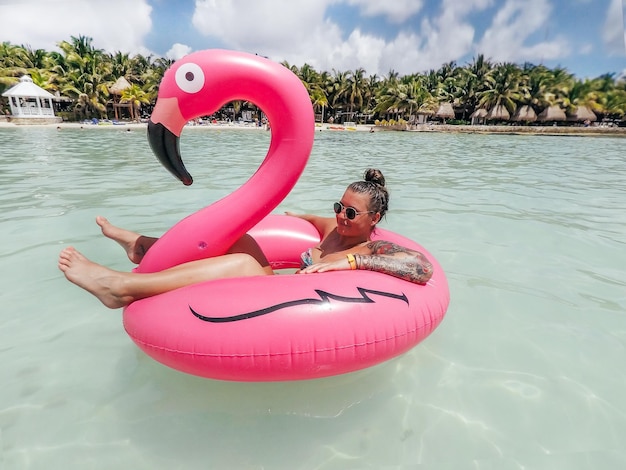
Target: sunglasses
point(351, 212)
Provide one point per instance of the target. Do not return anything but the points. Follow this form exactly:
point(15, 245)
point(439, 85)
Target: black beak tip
point(165, 145)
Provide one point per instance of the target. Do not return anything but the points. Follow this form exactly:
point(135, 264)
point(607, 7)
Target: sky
point(586, 37)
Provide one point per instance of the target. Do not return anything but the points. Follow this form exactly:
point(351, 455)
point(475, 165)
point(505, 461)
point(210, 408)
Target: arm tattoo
point(395, 260)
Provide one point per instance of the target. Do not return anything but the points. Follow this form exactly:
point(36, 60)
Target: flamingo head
point(196, 85)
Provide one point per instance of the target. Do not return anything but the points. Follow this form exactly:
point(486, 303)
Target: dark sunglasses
point(351, 212)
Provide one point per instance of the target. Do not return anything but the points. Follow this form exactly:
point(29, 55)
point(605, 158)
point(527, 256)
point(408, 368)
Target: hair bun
point(375, 176)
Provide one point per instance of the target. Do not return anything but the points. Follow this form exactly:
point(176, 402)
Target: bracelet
point(351, 260)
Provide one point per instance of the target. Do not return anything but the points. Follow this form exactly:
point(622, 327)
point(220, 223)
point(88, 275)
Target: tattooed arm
point(396, 260)
point(383, 257)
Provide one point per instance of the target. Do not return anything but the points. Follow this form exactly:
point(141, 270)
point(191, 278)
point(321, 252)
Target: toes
point(65, 252)
point(101, 221)
point(69, 254)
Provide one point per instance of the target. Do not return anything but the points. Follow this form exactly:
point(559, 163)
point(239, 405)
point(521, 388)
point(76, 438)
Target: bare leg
point(116, 289)
point(247, 244)
point(134, 244)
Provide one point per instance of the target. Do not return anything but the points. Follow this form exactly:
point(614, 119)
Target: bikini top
point(307, 258)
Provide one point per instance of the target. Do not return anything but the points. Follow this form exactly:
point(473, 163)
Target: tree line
point(84, 75)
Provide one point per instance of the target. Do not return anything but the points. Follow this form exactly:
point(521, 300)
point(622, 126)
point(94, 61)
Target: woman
point(346, 244)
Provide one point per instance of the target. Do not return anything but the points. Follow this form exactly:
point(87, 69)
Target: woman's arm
point(385, 257)
point(396, 260)
point(324, 225)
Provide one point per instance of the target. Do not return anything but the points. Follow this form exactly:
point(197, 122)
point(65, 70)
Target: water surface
point(526, 370)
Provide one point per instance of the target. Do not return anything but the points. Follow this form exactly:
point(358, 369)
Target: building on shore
point(30, 104)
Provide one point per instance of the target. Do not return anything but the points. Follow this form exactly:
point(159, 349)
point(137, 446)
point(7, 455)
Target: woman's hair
point(373, 184)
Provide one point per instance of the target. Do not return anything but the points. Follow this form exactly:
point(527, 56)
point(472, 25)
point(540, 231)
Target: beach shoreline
point(429, 127)
point(524, 130)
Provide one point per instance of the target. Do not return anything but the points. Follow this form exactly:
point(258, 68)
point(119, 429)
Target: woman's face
point(364, 221)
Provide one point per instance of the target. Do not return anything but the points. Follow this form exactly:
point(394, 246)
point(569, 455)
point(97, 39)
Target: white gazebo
point(29, 101)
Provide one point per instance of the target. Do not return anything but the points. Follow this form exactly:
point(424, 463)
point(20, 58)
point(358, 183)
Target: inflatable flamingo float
point(266, 328)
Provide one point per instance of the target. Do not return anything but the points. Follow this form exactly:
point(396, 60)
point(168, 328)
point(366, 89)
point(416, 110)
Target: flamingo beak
point(165, 143)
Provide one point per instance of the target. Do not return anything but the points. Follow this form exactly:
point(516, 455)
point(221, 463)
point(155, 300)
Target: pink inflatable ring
point(266, 328)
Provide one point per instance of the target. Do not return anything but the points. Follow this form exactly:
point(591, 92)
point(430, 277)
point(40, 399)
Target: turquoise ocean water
point(526, 370)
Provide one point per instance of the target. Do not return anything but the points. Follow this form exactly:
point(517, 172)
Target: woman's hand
point(341, 264)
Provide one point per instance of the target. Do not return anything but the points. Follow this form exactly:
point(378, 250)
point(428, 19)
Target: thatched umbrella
point(552, 113)
point(116, 90)
point(445, 111)
point(479, 116)
point(499, 113)
point(581, 114)
point(525, 113)
point(119, 86)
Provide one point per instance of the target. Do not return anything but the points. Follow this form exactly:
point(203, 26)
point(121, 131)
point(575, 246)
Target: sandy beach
point(597, 130)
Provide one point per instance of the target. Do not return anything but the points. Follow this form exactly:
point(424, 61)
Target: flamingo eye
point(190, 78)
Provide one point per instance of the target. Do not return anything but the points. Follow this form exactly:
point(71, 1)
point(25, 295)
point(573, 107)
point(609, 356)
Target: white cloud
point(177, 51)
point(283, 30)
point(356, 51)
point(439, 40)
point(460, 9)
point(448, 36)
point(614, 34)
point(396, 11)
point(269, 24)
point(420, 35)
point(506, 39)
point(299, 33)
point(114, 25)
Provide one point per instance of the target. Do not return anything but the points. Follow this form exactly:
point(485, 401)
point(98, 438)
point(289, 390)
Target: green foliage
point(85, 74)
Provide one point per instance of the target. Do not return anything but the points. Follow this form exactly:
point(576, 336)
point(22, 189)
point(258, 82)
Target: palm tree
point(390, 97)
point(44, 79)
point(86, 77)
point(82, 72)
point(152, 76)
point(12, 65)
point(338, 89)
point(448, 77)
point(136, 97)
point(534, 83)
point(392, 77)
point(372, 85)
point(121, 66)
point(581, 93)
point(313, 84)
point(504, 89)
point(611, 99)
point(419, 99)
point(325, 81)
point(319, 99)
point(406, 98)
point(472, 80)
point(356, 93)
point(559, 84)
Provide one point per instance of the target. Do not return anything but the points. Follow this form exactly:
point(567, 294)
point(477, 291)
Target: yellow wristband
point(351, 260)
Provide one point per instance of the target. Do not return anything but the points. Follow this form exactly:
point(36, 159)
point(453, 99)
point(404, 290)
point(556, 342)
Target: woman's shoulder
point(324, 225)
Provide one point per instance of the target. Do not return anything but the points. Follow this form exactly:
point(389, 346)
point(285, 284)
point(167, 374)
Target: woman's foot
point(98, 280)
point(133, 243)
